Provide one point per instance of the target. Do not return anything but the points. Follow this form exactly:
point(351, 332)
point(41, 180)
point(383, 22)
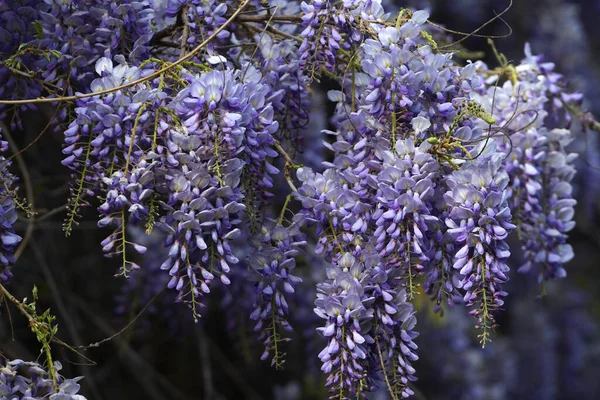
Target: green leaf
point(39, 31)
point(56, 53)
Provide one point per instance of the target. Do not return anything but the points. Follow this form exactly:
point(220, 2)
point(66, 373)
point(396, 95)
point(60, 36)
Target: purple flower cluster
point(369, 326)
point(50, 45)
point(224, 130)
point(288, 82)
point(15, 28)
point(85, 30)
point(8, 215)
point(201, 18)
point(545, 206)
point(394, 349)
point(30, 381)
point(382, 196)
point(107, 148)
point(340, 303)
point(321, 41)
point(479, 220)
point(330, 29)
point(433, 164)
point(186, 163)
point(540, 167)
point(273, 263)
point(404, 210)
point(421, 179)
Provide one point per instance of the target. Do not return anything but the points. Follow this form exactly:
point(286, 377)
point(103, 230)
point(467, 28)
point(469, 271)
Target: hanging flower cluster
point(8, 216)
point(432, 164)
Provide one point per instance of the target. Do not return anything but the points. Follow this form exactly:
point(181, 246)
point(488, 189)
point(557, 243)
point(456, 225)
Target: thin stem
point(335, 237)
point(33, 322)
point(498, 16)
point(262, 18)
point(282, 214)
point(50, 213)
point(62, 308)
point(284, 154)
point(273, 30)
point(289, 164)
point(387, 381)
point(186, 32)
point(132, 140)
point(17, 303)
point(19, 72)
point(129, 325)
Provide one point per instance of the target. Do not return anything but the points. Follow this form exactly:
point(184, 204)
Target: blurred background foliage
point(547, 348)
